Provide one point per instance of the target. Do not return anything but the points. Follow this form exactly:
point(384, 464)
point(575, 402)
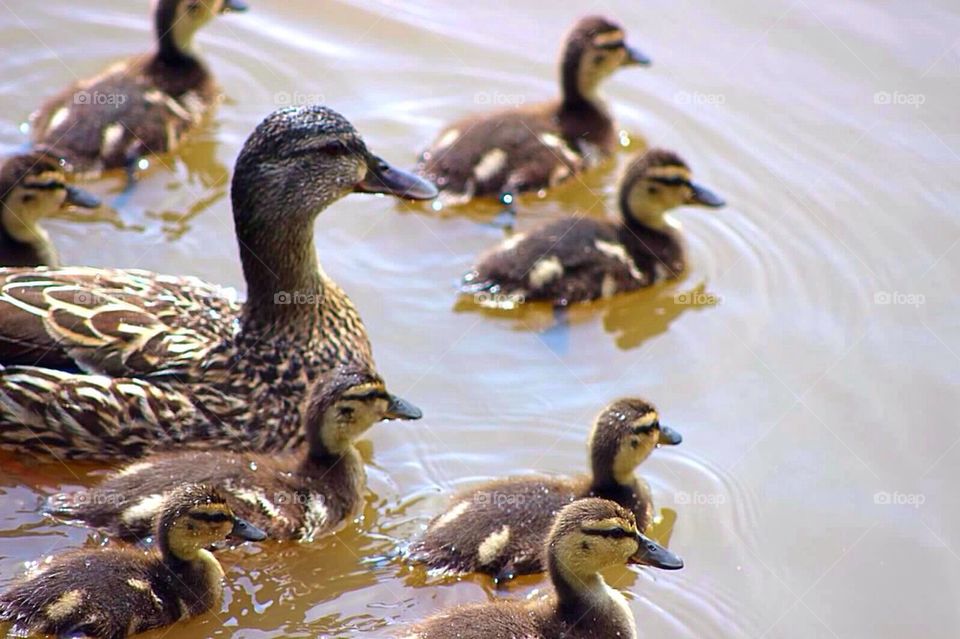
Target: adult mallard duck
point(532, 147)
point(113, 593)
point(139, 106)
point(577, 259)
point(32, 187)
point(112, 363)
point(499, 527)
point(588, 536)
point(293, 495)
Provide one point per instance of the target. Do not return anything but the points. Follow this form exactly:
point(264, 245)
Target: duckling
point(588, 536)
point(117, 592)
point(140, 106)
point(578, 259)
point(499, 528)
point(33, 186)
point(294, 495)
point(112, 363)
point(533, 147)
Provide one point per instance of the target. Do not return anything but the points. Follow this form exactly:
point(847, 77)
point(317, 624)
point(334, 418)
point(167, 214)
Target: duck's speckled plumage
point(499, 528)
point(112, 593)
point(533, 147)
point(113, 363)
point(137, 107)
point(579, 259)
point(588, 536)
point(292, 495)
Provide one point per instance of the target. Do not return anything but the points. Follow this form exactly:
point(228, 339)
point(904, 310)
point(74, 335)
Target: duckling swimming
point(33, 186)
point(499, 528)
point(577, 259)
point(533, 147)
point(295, 495)
point(141, 106)
point(113, 363)
point(588, 536)
point(117, 592)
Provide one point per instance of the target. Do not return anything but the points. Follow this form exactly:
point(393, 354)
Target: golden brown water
point(809, 357)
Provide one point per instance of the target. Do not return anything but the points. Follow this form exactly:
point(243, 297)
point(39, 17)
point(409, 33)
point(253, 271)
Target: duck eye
point(634, 443)
point(345, 412)
point(653, 190)
point(29, 197)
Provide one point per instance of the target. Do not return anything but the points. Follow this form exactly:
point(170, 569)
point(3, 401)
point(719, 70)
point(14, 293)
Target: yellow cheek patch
point(607, 38)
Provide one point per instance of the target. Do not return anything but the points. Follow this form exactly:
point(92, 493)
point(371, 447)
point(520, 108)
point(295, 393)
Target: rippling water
point(815, 380)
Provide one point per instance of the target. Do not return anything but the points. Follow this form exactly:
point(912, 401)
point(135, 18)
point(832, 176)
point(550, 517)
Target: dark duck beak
point(669, 437)
point(653, 554)
point(79, 197)
point(246, 531)
point(402, 409)
point(383, 178)
point(705, 197)
point(636, 57)
point(237, 6)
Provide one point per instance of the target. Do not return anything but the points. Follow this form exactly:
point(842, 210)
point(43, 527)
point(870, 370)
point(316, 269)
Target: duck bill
point(81, 198)
point(389, 180)
point(669, 437)
point(636, 57)
point(653, 554)
point(246, 531)
point(705, 197)
point(402, 409)
point(237, 6)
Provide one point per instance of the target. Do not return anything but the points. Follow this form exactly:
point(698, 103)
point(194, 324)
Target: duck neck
point(575, 593)
point(579, 92)
point(280, 266)
point(174, 37)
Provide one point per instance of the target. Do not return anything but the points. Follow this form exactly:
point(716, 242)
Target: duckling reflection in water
point(116, 592)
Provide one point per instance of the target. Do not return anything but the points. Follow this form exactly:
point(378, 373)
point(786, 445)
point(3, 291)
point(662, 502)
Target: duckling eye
point(653, 190)
point(634, 443)
point(345, 412)
point(28, 197)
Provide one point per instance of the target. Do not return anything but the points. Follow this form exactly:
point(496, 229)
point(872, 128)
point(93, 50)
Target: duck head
point(345, 404)
point(593, 534)
point(623, 436)
point(658, 181)
point(196, 517)
point(595, 48)
point(177, 21)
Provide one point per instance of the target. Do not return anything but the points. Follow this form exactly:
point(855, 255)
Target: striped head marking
point(624, 434)
point(595, 48)
point(658, 181)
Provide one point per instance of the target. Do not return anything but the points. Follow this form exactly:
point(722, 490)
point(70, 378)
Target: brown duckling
point(140, 106)
point(577, 259)
point(533, 147)
point(588, 536)
point(292, 495)
point(33, 186)
point(499, 527)
point(117, 592)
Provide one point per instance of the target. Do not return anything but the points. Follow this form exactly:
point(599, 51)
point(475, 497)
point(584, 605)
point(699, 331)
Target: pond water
point(810, 356)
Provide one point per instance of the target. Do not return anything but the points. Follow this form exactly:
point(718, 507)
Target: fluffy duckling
point(537, 146)
point(116, 592)
point(139, 106)
point(33, 186)
point(588, 536)
point(294, 495)
point(577, 259)
point(499, 528)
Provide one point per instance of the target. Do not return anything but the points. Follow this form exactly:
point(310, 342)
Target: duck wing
point(113, 322)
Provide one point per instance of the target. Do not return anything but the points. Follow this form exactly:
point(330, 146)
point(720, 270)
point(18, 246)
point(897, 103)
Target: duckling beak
point(383, 178)
point(653, 554)
point(234, 5)
point(636, 57)
point(81, 198)
point(246, 531)
point(669, 437)
point(705, 197)
point(402, 409)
